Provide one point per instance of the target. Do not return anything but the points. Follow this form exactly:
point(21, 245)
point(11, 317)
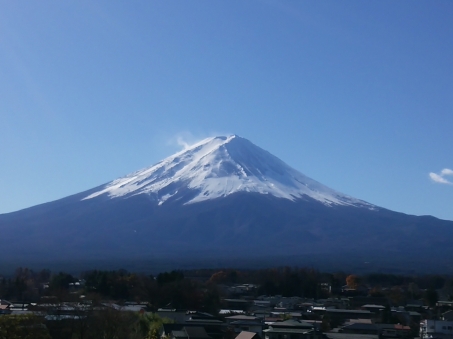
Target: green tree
point(431, 297)
point(155, 324)
point(114, 324)
point(61, 281)
point(22, 327)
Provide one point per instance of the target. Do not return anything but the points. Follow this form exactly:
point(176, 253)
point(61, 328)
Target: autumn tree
point(218, 277)
point(352, 281)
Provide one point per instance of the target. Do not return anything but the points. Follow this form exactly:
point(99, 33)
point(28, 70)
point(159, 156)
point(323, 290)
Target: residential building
point(436, 329)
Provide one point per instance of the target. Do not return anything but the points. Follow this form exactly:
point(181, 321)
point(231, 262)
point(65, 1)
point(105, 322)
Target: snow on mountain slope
point(219, 166)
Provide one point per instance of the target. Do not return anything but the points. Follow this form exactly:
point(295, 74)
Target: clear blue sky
point(355, 94)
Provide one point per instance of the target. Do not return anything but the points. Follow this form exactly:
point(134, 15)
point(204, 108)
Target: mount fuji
point(220, 199)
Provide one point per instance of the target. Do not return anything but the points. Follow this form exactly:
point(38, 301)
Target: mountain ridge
point(139, 225)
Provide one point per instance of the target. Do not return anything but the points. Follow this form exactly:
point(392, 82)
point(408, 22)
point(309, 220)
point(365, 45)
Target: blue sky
point(355, 94)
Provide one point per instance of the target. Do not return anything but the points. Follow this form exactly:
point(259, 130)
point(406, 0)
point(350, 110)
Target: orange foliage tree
point(352, 281)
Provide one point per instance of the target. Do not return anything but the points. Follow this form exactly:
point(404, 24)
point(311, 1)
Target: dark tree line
point(199, 289)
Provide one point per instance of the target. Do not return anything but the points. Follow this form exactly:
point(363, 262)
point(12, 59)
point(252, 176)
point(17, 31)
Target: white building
point(436, 329)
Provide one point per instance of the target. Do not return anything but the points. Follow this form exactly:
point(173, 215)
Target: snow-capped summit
point(219, 166)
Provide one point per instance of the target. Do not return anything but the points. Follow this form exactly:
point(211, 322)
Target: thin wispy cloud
point(186, 139)
point(440, 177)
point(183, 140)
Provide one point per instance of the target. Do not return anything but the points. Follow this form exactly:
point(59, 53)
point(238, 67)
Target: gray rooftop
point(246, 335)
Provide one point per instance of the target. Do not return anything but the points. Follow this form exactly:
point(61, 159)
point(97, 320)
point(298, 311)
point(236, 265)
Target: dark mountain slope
point(222, 198)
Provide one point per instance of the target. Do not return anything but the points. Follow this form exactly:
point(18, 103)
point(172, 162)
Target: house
point(291, 329)
point(246, 323)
